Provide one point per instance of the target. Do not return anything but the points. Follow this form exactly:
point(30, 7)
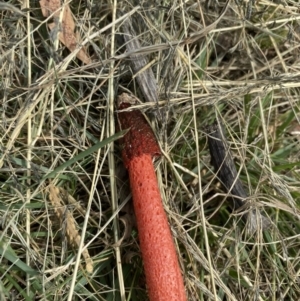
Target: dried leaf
point(67, 35)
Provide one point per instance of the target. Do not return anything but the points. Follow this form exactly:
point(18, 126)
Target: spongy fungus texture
point(163, 275)
point(140, 139)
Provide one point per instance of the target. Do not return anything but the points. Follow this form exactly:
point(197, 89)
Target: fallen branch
point(228, 176)
point(139, 62)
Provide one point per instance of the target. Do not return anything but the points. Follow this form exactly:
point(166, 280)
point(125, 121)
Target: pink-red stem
point(139, 146)
point(163, 275)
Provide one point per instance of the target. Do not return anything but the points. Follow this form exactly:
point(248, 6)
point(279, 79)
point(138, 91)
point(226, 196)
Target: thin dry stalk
point(111, 158)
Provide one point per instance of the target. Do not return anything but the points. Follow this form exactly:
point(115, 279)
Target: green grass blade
point(85, 153)
point(8, 253)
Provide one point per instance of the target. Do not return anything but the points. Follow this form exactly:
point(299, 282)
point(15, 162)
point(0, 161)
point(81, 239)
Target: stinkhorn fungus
point(139, 146)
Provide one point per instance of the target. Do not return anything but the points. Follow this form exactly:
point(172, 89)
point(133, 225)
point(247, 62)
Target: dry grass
point(241, 69)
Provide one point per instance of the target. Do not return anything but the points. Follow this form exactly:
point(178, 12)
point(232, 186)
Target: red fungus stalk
point(139, 146)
